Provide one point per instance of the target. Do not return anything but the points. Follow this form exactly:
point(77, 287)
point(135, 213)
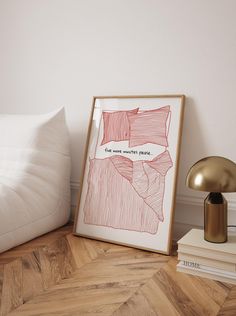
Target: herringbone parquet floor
point(60, 274)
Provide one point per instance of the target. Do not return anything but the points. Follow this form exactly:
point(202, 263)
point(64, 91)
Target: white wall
point(62, 52)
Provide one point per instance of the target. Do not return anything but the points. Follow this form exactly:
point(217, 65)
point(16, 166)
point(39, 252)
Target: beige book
point(198, 260)
point(206, 273)
point(193, 243)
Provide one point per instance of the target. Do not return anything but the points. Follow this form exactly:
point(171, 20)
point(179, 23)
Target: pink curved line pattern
point(131, 183)
point(116, 126)
point(149, 127)
point(137, 127)
point(115, 197)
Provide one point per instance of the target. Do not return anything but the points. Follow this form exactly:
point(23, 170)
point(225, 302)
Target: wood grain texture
point(71, 275)
point(1, 284)
point(11, 287)
point(29, 269)
point(229, 306)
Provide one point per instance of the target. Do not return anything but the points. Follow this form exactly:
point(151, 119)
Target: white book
point(207, 272)
point(223, 265)
point(202, 267)
point(193, 243)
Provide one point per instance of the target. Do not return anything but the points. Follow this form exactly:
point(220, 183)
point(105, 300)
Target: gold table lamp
point(215, 175)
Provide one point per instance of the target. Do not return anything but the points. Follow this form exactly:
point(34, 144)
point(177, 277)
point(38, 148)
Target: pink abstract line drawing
point(116, 126)
point(126, 195)
point(123, 165)
point(137, 127)
point(149, 127)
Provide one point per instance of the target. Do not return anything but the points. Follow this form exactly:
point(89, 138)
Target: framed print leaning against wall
point(128, 190)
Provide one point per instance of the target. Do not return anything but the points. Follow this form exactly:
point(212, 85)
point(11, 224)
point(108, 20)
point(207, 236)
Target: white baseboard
point(188, 211)
point(197, 201)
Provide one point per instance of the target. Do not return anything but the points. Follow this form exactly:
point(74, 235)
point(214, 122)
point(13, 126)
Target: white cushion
point(34, 176)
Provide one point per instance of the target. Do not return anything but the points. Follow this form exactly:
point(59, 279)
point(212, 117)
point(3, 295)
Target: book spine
point(223, 265)
point(206, 274)
point(203, 268)
point(215, 255)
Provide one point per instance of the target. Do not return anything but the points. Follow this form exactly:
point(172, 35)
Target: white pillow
point(34, 176)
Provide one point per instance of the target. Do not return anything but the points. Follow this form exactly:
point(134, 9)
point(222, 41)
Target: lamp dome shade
point(212, 174)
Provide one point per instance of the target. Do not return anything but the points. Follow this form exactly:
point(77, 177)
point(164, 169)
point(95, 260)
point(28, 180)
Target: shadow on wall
point(193, 145)
point(77, 147)
point(189, 209)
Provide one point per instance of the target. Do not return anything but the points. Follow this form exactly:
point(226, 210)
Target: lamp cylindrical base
point(215, 218)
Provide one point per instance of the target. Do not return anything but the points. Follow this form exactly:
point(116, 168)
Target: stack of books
point(205, 259)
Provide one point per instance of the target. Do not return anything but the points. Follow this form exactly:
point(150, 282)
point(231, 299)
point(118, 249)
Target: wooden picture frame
point(128, 187)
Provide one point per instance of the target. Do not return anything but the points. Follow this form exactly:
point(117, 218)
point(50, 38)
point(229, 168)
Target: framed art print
point(128, 189)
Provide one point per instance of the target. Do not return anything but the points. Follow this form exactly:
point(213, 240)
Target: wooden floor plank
point(82, 301)
point(57, 262)
point(32, 281)
point(177, 296)
point(12, 294)
point(83, 250)
point(1, 284)
point(136, 305)
point(229, 306)
point(158, 300)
